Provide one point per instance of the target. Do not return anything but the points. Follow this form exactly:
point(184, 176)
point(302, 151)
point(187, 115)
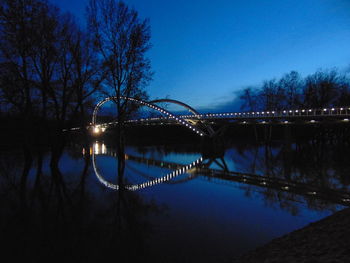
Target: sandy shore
point(327, 240)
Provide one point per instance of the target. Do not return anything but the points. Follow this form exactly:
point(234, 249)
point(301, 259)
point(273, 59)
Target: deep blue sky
point(205, 50)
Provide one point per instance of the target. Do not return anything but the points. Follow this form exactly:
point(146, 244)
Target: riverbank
point(327, 240)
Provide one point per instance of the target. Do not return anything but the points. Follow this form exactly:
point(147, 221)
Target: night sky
point(205, 51)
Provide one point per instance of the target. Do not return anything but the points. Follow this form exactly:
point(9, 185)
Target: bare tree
point(48, 66)
point(321, 89)
point(249, 99)
point(122, 40)
point(291, 83)
point(16, 34)
point(271, 95)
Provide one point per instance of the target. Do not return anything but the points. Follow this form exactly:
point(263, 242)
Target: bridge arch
point(188, 107)
point(163, 111)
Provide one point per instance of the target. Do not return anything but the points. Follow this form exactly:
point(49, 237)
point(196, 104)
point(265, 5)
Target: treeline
point(48, 66)
point(52, 70)
point(327, 88)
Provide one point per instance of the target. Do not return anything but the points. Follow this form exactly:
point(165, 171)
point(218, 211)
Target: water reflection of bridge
point(225, 176)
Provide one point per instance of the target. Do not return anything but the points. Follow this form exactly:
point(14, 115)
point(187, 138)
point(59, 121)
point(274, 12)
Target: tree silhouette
point(122, 40)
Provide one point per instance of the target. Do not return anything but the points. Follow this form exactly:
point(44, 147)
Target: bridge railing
point(340, 112)
point(281, 114)
point(336, 111)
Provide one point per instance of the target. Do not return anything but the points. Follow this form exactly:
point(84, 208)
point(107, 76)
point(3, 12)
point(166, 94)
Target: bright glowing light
point(104, 149)
point(96, 129)
point(96, 148)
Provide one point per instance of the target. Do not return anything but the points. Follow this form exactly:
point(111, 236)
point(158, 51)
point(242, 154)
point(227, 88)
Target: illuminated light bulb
point(312, 121)
point(346, 120)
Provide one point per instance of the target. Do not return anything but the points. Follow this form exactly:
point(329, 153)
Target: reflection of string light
point(96, 148)
point(135, 187)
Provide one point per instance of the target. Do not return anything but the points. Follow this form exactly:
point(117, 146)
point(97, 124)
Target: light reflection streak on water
point(135, 187)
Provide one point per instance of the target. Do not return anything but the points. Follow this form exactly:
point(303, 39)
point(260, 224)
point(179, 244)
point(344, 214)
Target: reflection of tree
point(56, 215)
point(308, 165)
point(309, 162)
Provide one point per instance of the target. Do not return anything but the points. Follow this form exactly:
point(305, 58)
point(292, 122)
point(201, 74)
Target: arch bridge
point(195, 123)
point(200, 123)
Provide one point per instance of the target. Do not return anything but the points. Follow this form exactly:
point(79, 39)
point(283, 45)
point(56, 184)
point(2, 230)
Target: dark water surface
point(173, 203)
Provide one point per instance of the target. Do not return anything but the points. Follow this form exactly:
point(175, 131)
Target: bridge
point(201, 123)
point(201, 167)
